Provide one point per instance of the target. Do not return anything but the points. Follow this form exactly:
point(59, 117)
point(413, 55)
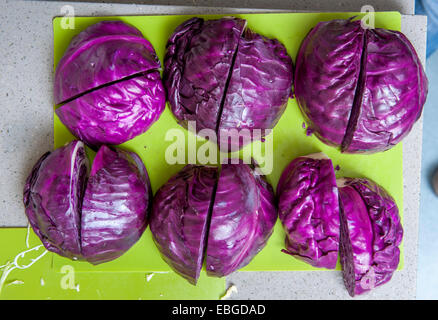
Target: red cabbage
point(359, 89)
point(95, 220)
point(326, 76)
point(226, 219)
point(53, 197)
point(207, 48)
point(115, 205)
point(109, 84)
point(309, 210)
point(393, 96)
point(242, 219)
point(223, 77)
point(259, 87)
point(116, 113)
point(179, 219)
point(105, 52)
point(371, 233)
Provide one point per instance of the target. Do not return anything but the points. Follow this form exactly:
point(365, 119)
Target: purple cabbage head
point(309, 210)
point(53, 198)
point(115, 205)
point(109, 85)
point(179, 219)
point(371, 233)
point(226, 219)
point(242, 220)
point(360, 89)
point(235, 79)
point(95, 218)
point(196, 67)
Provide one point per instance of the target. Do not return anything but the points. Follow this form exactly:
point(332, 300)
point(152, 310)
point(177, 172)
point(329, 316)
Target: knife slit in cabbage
point(358, 98)
point(227, 84)
point(209, 215)
point(107, 84)
point(95, 219)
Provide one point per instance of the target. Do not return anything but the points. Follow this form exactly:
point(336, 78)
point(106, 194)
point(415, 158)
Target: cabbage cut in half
point(371, 233)
point(359, 89)
point(108, 84)
point(224, 218)
point(95, 217)
point(226, 78)
point(308, 208)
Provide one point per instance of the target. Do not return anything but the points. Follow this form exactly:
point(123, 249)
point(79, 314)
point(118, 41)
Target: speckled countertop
point(26, 126)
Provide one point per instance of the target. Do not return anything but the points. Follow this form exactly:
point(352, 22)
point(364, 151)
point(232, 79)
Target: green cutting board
point(289, 136)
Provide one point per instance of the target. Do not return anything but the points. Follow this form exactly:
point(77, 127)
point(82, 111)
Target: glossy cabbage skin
point(116, 113)
point(258, 91)
point(95, 220)
point(109, 85)
point(53, 198)
point(394, 92)
point(326, 76)
point(115, 205)
point(179, 219)
point(242, 220)
point(309, 211)
point(196, 67)
point(371, 233)
point(104, 52)
point(359, 89)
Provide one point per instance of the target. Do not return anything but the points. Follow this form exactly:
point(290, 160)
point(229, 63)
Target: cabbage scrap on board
point(371, 233)
point(226, 77)
point(108, 84)
point(95, 217)
point(308, 207)
point(224, 217)
point(359, 89)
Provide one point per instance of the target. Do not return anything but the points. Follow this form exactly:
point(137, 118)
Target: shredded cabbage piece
point(149, 277)
point(15, 282)
point(10, 266)
point(27, 236)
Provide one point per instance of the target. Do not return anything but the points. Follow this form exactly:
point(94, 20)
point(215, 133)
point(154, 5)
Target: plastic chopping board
point(289, 136)
point(289, 141)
